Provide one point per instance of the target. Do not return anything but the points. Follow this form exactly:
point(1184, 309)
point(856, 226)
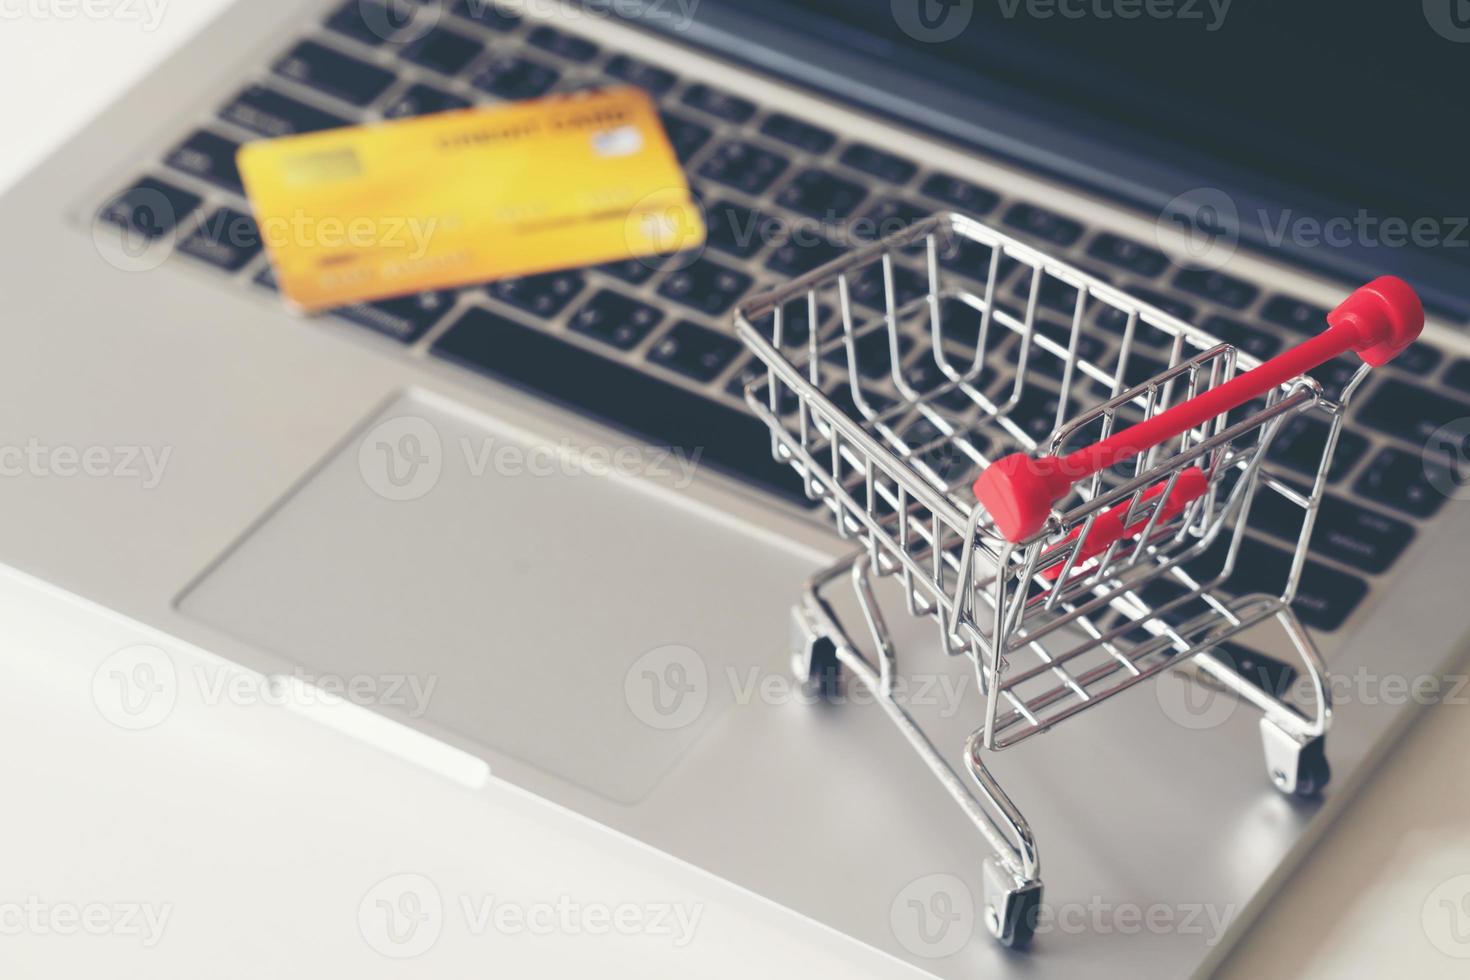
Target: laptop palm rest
point(517, 596)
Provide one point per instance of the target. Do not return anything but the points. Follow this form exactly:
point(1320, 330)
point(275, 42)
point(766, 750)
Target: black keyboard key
point(634, 271)
point(694, 351)
point(370, 23)
point(1171, 305)
point(1402, 480)
point(545, 295)
point(1294, 314)
point(403, 318)
point(1041, 223)
point(1325, 597)
point(487, 14)
point(706, 286)
point(423, 100)
point(722, 105)
point(688, 137)
point(972, 259)
point(744, 166)
point(516, 78)
point(1409, 412)
point(1345, 532)
point(869, 288)
point(722, 435)
point(1217, 287)
point(1052, 294)
point(443, 50)
point(1458, 376)
point(150, 208)
point(334, 73)
point(879, 163)
point(800, 134)
point(1141, 260)
point(1418, 359)
point(801, 254)
point(615, 319)
point(227, 239)
point(888, 217)
point(925, 375)
point(1300, 442)
point(874, 357)
point(1036, 412)
point(210, 157)
point(738, 230)
point(647, 77)
point(754, 370)
point(271, 114)
point(1252, 340)
point(563, 45)
point(960, 194)
point(819, 194)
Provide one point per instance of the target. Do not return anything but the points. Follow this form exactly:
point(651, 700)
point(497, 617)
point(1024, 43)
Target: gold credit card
point(464, 197)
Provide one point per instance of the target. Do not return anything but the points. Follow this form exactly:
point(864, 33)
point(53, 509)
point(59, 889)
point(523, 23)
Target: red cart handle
point(1108, 526)
point(1378, 321)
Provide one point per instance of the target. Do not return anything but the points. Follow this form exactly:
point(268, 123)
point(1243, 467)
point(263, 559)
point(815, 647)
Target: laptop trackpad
point(521, 598)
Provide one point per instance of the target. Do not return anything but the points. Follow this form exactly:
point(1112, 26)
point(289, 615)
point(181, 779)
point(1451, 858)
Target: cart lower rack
point(1064, 507)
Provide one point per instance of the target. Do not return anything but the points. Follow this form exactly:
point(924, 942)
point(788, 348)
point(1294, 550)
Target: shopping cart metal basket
point(1060, 483)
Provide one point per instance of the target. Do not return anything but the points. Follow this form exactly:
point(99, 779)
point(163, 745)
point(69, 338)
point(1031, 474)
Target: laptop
point(532, 524)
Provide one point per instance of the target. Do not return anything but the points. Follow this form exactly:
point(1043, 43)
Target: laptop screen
point(1360, 102)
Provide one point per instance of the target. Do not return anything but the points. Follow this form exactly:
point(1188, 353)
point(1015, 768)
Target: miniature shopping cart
point(1058, 476)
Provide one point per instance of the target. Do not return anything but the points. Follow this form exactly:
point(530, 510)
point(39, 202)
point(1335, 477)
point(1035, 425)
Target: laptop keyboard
point(646, 344)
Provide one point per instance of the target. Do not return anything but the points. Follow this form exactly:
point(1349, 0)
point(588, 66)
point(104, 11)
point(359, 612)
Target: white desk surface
point(244, 840)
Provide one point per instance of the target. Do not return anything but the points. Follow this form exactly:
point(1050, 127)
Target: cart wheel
point(1021, 929)
point(817, 667)
point(1312, 773)
point(1298, 767)
point(1012, 906)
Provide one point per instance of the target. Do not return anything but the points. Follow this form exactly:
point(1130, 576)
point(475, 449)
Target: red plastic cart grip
point(1378, 321)
point(1108, 526)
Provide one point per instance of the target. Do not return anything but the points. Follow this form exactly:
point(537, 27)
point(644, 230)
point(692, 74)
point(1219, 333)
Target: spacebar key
point(661, 413)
